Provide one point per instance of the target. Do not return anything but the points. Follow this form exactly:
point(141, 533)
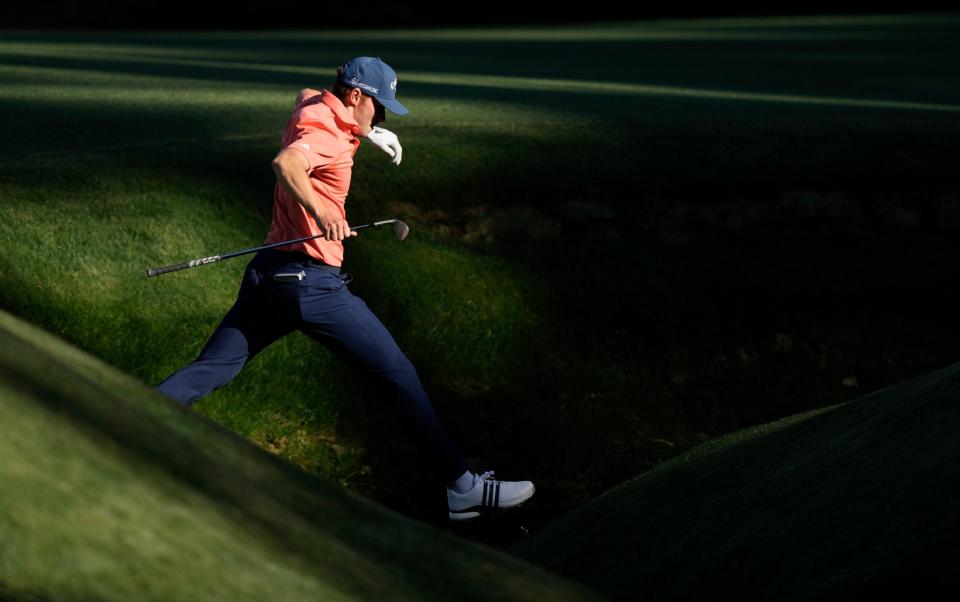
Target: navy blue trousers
point(320, 306)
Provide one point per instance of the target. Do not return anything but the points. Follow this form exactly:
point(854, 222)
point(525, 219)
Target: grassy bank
point(854, 502)
point(111, 492)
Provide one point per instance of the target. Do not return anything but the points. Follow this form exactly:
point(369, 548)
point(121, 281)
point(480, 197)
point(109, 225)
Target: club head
point(401, 230)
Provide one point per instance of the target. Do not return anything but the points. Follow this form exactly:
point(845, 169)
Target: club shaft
point(215, 258)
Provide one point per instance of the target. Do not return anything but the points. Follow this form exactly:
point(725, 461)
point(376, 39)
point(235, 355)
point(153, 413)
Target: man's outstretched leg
point(246, 330)
point(343, 323)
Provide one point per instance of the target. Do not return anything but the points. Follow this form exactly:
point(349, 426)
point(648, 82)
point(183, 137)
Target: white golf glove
point(387, 141)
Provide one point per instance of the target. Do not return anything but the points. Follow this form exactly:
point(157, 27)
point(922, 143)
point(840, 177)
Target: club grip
point(181, 266)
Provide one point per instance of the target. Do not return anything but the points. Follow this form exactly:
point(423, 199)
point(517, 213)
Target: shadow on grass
point(8, 594)
point(834, 504)
point(803, 64)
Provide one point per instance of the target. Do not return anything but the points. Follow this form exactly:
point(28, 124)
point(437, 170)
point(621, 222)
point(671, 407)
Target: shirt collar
point(344, 119)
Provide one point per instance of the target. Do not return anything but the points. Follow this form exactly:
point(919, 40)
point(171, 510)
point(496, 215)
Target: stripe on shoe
point(496, 503)
point(483, 501)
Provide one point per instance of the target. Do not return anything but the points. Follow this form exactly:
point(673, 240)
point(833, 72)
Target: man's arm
point(291, 168)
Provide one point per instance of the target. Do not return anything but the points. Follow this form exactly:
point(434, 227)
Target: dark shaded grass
point(10, 595)
point(629, 388)
point(850, 502)
point(848, 61)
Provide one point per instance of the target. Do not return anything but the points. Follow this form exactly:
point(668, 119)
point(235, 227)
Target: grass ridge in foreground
point(858, 500)
point(112, 492)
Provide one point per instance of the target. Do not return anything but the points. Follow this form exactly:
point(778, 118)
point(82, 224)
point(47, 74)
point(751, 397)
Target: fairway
point(627, 238)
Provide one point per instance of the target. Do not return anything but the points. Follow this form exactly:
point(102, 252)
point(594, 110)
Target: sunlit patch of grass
point(460, 312)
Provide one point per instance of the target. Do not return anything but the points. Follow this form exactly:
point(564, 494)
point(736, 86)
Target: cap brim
point(394, 106)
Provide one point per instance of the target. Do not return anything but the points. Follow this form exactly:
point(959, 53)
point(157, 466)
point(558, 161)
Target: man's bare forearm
point(291, 169)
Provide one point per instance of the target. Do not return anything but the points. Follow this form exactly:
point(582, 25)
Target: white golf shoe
point(487, 495)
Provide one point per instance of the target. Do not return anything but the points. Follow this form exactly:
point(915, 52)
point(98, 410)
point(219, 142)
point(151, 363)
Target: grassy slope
point(110, 492)
point(856, 501)
point(698, 297)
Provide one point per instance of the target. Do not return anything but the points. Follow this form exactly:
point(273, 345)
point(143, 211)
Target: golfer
point(300, 286)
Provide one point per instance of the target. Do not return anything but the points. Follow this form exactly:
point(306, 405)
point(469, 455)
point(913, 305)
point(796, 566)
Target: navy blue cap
point(376, 79)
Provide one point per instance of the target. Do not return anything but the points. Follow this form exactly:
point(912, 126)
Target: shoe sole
point(471, 514)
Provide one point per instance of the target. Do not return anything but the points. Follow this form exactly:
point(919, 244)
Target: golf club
point(400, 229)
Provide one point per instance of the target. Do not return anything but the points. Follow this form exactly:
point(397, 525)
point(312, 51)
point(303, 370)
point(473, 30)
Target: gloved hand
point(387, 141)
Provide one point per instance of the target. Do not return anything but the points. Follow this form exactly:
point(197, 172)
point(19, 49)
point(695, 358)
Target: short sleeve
point(305, 94)
point(316, 141)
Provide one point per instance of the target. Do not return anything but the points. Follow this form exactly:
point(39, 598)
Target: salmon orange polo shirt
point(325, 133)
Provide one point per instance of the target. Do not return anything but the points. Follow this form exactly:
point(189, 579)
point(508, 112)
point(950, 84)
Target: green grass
point(111, 492)
point(855, 501)
point(627, 238)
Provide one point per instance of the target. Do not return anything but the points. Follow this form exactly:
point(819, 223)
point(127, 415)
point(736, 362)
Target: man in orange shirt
point(300, 286)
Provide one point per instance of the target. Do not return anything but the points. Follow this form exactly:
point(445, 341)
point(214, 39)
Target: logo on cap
point(355, 82)
point(393, 85)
